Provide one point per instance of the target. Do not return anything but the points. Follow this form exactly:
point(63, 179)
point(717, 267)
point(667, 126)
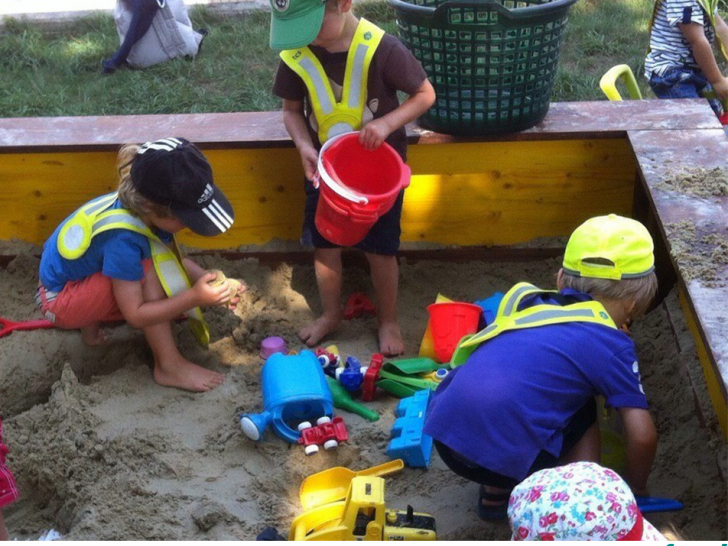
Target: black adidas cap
point(173, 172)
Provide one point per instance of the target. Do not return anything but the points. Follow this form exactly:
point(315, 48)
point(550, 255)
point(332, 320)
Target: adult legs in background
point(143, 15)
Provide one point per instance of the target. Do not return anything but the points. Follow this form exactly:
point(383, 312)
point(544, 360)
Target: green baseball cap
point(295, 23)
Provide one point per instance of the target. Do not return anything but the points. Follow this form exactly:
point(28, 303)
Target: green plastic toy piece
point(342, 400)
point(461, 353)
point(395, 388)
point(411, 366)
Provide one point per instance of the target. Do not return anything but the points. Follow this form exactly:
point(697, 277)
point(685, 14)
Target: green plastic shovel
point(342, 400)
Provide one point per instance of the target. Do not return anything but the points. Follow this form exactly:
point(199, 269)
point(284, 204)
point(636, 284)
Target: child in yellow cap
point(339, 73)
point(523, 398)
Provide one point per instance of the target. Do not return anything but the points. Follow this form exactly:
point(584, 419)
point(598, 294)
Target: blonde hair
point(641, 290)
point(672, 534)
point(130, 198)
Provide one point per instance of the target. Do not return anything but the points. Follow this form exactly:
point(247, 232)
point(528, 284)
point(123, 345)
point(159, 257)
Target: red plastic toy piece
point(369, 386)
point(327, 432)
point(357, 305)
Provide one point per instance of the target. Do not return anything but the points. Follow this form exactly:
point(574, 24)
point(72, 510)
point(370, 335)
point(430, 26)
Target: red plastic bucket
point(450, 322)
point(356, 187)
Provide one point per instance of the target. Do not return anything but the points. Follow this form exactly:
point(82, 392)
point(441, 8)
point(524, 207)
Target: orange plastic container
point(450, 322)
point(357, 186)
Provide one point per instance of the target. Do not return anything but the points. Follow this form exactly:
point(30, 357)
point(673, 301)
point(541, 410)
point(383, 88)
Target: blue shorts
point(682, 83)
point(574, 430)
point(382, 239)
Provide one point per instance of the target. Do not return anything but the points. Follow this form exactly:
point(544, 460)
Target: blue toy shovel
point(656, 504)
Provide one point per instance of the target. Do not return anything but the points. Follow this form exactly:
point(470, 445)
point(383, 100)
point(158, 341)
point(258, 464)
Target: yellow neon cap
point(610, 247)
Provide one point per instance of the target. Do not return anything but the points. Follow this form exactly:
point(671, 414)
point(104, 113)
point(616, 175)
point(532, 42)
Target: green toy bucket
point(492, 62)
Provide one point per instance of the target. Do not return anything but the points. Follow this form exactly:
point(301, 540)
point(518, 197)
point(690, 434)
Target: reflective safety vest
point(335, 118)
point(510, 318)
point(710, 7)
point(97, 216)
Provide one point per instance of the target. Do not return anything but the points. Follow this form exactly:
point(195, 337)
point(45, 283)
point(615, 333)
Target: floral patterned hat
point(579, 501)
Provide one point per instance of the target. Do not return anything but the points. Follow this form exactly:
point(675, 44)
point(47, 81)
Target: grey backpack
point(170, 36)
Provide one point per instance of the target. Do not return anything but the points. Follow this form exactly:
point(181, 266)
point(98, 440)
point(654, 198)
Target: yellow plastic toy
point(608, 83)
point(362, 516)
point(614, 449)
point(427, 347)
point(334, 350)
point(332, 485)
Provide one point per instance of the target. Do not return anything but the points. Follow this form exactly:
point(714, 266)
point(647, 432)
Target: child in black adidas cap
point(115, 258)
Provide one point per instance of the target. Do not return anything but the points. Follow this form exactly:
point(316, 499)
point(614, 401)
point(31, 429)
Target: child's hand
point(374, 133)
point(210, 295)
point(235, 288)
point(309, 160)
point(238, 289)
point(721, 89)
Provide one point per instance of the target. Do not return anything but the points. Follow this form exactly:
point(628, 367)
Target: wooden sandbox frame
point(486, 196)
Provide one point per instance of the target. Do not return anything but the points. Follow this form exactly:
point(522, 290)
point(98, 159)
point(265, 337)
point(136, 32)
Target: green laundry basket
point(492, 62)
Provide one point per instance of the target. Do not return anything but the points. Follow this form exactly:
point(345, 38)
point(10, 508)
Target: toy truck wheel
point(323, 420)
point(330, 444)
point(304, 426)
point(311, 450)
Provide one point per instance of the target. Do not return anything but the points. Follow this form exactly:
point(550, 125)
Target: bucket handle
point(334, 206)
point(406, 175)
point(330, 182)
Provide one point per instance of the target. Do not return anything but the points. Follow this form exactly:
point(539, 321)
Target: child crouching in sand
point(579, 501)
point(115, 258)
point(524, 399)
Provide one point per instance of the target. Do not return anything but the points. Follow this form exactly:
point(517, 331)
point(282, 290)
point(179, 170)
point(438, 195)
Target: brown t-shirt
point(393, 68)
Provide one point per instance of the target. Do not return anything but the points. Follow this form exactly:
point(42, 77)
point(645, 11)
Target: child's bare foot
point(319, 329)
point(390, 339)
point(183, 374)
point(93, 335)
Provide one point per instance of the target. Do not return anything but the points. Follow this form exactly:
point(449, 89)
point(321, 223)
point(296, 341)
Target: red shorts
point(82, 303)
point(8, 490)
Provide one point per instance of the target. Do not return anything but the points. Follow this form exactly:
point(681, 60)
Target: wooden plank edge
point(352, 258)
point(713, 378)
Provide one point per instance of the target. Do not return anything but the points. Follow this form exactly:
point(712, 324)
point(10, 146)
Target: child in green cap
point(328, 54)
point(523, 400)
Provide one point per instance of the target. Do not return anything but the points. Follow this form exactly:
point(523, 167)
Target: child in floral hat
point(579, 501)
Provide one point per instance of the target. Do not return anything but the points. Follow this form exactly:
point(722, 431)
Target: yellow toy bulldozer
point(362, 516)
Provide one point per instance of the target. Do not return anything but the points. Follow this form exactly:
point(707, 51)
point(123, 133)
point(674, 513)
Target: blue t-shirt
point(517, 392)
point(117, 253)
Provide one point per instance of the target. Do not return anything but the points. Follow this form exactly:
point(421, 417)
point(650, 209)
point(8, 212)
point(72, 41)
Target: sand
point(101, 452)
point(699, 182)
point(700, 257)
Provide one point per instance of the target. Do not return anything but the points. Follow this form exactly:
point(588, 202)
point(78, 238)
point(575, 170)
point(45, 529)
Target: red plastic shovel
point(7, 327)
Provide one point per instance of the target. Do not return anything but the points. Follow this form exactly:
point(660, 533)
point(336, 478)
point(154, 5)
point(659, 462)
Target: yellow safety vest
point(97, 216)
point(510, 318)
point(710, 7)
point(335, 118)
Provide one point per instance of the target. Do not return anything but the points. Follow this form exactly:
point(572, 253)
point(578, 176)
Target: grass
point(601, 34)
point(58, 74)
